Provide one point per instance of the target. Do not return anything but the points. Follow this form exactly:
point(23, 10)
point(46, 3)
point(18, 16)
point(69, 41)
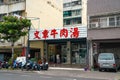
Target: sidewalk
point(60, 68)
point(79, 72)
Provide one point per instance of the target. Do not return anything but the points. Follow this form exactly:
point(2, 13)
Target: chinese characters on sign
point(64, 33)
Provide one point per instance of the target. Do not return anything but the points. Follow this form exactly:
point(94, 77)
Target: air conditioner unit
point(94, 25)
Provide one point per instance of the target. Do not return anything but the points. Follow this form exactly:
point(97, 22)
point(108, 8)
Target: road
point(29, 75)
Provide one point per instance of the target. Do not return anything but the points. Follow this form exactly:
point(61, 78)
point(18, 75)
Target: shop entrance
point(57, 53)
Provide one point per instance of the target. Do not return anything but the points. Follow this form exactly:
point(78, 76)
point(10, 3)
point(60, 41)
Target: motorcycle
point(29, 65)
point(35, 66)
point(4, 64)
point(44, 66)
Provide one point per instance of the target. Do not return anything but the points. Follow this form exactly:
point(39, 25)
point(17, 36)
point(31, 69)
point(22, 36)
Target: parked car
point(108, 61)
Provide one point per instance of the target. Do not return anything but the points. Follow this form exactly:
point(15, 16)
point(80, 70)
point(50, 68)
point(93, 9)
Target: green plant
point(10, 62)
point(33, 59)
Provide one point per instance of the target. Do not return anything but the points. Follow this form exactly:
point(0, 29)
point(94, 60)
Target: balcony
point(12, 6)
point(10, 2)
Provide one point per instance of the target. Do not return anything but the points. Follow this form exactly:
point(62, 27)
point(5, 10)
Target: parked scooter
point(15, 64)
point(4, 64)
point(44, 66)
point(36, 66)
point(29, 65)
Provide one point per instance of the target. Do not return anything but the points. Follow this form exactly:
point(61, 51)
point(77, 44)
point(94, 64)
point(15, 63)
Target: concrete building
point(50, 16)
point(72, 51)
point(68, 46)
point(74, 13)
point(10, 7)
point(103, 27)
point(60, 46)
point(42, 13)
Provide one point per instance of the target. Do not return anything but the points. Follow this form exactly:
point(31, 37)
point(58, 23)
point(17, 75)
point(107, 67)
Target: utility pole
point(28, 44)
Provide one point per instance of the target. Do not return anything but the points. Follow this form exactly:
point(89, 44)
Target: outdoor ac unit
point(94, 25)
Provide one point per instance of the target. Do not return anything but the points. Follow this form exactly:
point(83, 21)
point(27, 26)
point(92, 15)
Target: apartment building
point(66, 46)
point(50, 16)
point(74, 12)
point(103, 27)
point(72, 51)
point(43, 14)
point(10, 7)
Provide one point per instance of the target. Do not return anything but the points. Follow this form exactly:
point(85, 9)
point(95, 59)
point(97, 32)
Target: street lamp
point(28, 41)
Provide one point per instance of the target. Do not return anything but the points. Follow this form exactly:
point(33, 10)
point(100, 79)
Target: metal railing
point(11, 2)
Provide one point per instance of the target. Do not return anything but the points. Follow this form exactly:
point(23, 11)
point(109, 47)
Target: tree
point(13, 28)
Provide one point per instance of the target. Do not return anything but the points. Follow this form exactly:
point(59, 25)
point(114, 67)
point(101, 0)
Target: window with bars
point(112, 21)
point(103, 22)
point(76, 12)
point(75, 3)
point(118, 20)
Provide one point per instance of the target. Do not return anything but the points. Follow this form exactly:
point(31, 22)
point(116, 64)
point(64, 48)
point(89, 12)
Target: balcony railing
point(11, 2)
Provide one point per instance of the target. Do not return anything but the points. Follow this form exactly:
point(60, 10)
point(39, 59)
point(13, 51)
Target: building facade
point(50, 16)
point(42, 13)
point(74, 12)
point(10, 7)
point(72, 51)
point(63, 46)
point(103, 28)
point(68, 47)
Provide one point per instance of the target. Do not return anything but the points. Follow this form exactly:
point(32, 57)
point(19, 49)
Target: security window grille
point(66, 5)
point(103, 22)
point(76, 12)
point(67, 22)
point(76, 20)
point(112, 21)
point(75, 3)
point(118, 20)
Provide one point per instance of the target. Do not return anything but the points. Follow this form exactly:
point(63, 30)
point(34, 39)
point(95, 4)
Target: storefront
point(63, 46)
point(103, 40)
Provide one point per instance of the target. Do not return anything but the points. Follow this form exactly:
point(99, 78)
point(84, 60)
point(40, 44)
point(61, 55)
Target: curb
point(60, 68)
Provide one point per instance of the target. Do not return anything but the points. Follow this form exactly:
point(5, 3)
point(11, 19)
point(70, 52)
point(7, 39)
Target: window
point(66, 13)
point(17, 12)
point(78, 53)
point(94, 23)
point(67, 22)
point(75, 3)
point(66, 5)
point(76, 20)
point(103, 22)
point(118, 20)
point(1, 15)
point(15, 1)
point(111, 21)
point(76, 12)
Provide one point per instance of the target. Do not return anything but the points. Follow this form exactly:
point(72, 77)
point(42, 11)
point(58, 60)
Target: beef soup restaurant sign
point(63, 33)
